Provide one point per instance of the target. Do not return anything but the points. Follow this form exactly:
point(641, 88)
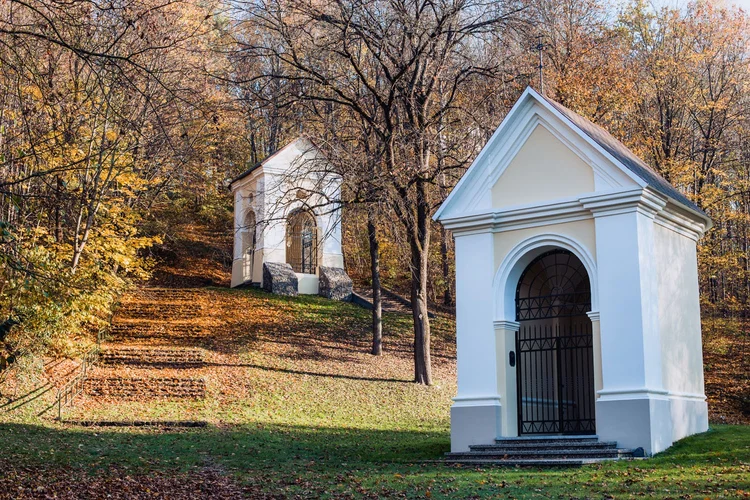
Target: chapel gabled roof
point(595, 136)
point(264, 161)
point(624, 155)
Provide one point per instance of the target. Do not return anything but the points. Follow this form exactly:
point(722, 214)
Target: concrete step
point(547, 454)
point(153, 356)
point(165, 294)
point(134, 330)
point(547, 451)
point(146, 387)
point(574, 445)
point(538, 440)
point(158, 310)
point(541, 462)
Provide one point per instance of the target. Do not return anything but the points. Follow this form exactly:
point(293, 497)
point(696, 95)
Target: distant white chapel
point(576, 289)
point(287, 224)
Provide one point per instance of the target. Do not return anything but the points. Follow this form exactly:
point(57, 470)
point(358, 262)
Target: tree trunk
point(58, 210)
point(377, 302)
point(420, 242)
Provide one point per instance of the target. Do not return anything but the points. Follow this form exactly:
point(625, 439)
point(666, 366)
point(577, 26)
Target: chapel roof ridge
point(259, 164)
point(621, 153)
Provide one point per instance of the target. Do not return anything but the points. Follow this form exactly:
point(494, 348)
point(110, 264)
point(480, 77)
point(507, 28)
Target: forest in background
point(116, 114)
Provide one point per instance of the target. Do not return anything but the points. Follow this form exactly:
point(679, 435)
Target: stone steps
point(553, 445)
point(542, 463)
point(547, 451)
point(503, 454)
point(159, 310)
point(549, 439)
point(133, 330)
point(166, 294)
point(153, 356)
point(129, 388)
point(143, 360)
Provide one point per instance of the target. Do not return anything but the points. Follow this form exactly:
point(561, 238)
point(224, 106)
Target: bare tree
point(416, 61)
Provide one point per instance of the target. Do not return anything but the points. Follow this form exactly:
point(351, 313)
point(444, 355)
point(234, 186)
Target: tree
point(413, 61)
point(104, 105)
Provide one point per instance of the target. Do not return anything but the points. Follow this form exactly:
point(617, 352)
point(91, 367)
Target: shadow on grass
point(312, 374)
point(282, 448)
point(313, 462)
point(286, 446)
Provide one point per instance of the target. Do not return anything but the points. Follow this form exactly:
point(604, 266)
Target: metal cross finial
point(540, 48)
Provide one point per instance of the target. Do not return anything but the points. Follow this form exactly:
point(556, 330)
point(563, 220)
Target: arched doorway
point(302, 242)
point(554, 347)
point(249, 241)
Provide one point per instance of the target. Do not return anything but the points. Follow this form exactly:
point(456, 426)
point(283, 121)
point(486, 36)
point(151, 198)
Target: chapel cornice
point(641, 200)
point(241, 183)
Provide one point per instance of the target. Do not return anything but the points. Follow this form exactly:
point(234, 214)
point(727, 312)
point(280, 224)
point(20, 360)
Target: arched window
point(302, 242)
point(553, 285)
point(554, 347)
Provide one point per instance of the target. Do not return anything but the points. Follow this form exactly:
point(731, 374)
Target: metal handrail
point(75, 386)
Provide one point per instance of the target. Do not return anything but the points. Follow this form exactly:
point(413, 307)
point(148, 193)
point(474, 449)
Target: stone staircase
point(126, 329)
point(543, 451)
point(136, 386)
point(153, 356)
point(175, 310)
point(152, 350)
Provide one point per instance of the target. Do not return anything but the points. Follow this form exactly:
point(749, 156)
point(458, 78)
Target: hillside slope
point(251, 340)
point(263, 358)
point(290, 404)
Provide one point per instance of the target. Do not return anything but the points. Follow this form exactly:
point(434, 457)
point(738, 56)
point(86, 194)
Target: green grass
point(304, 411)
point(319, 461)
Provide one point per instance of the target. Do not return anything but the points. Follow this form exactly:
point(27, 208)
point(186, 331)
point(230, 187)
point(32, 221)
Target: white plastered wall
point(248, 197)
point(582, 231)
point(680, 330)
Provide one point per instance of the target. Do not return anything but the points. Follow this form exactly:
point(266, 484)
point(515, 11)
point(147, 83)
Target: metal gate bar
point(555, 382)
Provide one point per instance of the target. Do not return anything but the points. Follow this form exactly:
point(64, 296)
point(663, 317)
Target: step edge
point(598, 444)
point(578, 437)
point(617, 451)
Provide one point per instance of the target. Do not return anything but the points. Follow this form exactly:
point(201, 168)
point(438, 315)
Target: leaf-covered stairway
point(154, 351)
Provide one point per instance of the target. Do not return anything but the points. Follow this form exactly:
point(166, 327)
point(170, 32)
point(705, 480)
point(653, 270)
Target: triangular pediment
point(544, 169)
point(301, 151)
point(536, 156)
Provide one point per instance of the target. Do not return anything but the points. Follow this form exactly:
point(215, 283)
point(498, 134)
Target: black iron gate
point(554, 347)
point(555, 380)
point(302, 243)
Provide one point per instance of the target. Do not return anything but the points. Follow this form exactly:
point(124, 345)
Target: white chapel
point(576, 289)
point(287, 221)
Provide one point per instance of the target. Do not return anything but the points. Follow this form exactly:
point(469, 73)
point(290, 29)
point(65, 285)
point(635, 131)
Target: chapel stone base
point(689, 416)
point(335, 284)
point(474, 425)
point(279, 278)
point(652, 422)
point(641, 422)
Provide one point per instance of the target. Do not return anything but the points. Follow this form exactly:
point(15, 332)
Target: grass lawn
point(298, 409)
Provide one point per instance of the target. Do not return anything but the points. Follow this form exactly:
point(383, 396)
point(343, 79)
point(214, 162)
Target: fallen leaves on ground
point(64, 483)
